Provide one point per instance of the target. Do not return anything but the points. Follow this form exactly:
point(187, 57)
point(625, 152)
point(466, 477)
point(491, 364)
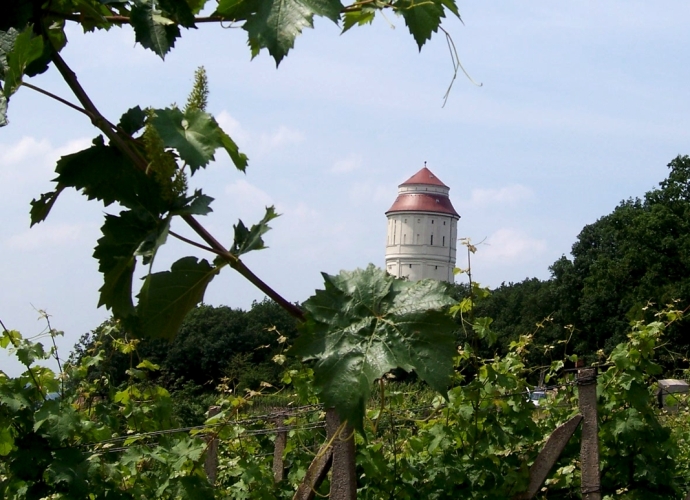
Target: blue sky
point(582, 105)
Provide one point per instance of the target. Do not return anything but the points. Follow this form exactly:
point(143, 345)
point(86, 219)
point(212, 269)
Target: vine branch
point(109, 130)
point(58, 98)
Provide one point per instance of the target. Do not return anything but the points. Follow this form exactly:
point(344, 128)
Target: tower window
point(405, 221)
point(419, 220)
point(432, 239)
point(444, 223)
point(444, 241)
point(435, 267)
point(432, 221)
point(404, 239)
point(417, 239)
point(410, 266)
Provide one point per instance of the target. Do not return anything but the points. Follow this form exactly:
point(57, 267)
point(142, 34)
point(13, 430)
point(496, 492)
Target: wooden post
point(343, 476)
point(317, 470)
point(211, 461)
point(548, 456)
point(589, 449)
point(278, 449)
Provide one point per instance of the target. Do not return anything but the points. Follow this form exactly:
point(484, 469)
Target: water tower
point(422, 230)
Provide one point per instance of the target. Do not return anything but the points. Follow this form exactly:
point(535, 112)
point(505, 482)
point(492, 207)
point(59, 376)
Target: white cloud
point(26, 149)
point(46, 235)
point(505, 195)
point(233, 128)
point(346, 165)
point(284, 136)
point(509, 246)
point(30, 160)
point(247, 196)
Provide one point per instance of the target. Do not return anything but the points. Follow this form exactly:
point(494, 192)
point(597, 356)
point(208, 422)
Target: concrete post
point(589, 448)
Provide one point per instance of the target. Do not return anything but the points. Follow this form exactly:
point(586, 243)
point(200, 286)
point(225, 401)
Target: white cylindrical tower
point(422, 230)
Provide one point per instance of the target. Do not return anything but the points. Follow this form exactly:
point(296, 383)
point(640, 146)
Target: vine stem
point(120, 142)
point(57, 98)
point(28, 368)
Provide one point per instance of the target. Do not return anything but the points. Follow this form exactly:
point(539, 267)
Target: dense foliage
point(213, 343)
point(636, 256)
point(477, 443)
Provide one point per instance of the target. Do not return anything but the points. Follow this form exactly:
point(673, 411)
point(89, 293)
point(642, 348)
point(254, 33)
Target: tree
point(636, 256)
point(213, 343)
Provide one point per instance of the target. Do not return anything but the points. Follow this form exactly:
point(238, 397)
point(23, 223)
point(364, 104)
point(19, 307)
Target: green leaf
point(197, 204)
point(152, 30)
point(153, 241)
point(239, 159)
point(3, 109)
point(6, 441)
point(364, 324)
point(274, 24)
point(122, 237)
point(132, 120)
point(104, 173)
point(422, 17)
point(167, 297)
point(247, 240)
point(148, 365)
point(482, 326)
point(194, 134)
point(179, 11)
point(41, 208)
point(358, 17)
point(26, 48)
point(7, 39)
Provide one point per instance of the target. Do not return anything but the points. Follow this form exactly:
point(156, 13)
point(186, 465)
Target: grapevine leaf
point(247, 240)
point(167, 297)
point(7, 39)
point(197, 204)
point(364, 324)
point(26, 48)
point(41, 208)
point(274, 24)
point(122, 237)
point(451, 6)
point(179, 11)
point(104, 173)
point(239, 159)
point(153, 241)
point(358, 17)
point(132, 120)
point(3, 109)
point(422, 18)
point(195, 134)
point(482, 326)
point(152, 30)
point(6, 441)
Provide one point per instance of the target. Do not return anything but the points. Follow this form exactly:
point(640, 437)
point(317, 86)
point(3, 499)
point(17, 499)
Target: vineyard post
point(589, 448)
point(278, 449)
point(343, 476)
point(548, 456)
point(211, 461)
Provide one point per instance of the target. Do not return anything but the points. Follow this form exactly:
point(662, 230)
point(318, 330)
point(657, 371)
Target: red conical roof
point(423, 202)
point(424, 176)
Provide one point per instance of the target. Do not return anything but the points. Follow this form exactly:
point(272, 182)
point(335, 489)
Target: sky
point(582, 105)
